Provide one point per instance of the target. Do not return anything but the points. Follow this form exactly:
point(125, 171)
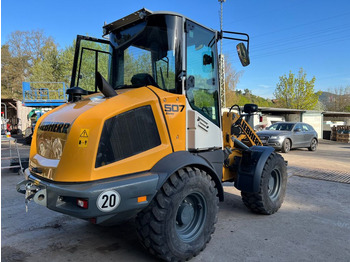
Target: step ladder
point(8, 142)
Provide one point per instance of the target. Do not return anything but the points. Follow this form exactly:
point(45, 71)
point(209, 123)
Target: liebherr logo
point(248, 131)
point(170, 109)
point(57, 127)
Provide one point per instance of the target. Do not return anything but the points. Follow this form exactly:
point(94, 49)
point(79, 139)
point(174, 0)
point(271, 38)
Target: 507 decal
point(170, 109)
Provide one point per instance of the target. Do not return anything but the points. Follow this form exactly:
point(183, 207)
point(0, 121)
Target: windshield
point(281, 126)
point(147, 53)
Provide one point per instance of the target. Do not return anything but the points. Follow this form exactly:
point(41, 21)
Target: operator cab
point(161, 49)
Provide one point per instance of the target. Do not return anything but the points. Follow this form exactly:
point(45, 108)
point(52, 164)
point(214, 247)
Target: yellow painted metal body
point(86, 119)
point(247, 135)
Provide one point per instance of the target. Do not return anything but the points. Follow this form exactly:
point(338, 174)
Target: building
point(321, 121)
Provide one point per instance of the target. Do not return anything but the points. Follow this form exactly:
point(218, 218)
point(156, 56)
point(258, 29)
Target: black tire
point(286, 146)
point(272, 187)
point(313, 145)
point(180, 220)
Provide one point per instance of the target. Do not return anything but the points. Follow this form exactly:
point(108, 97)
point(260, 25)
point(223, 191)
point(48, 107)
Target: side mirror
point(243, 54)
point(250, 108)
point(297, 130)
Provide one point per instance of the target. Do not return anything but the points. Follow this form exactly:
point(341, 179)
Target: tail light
point(83, 203)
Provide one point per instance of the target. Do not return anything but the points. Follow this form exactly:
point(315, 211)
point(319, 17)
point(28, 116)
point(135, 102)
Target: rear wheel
point(313, 145)
point(286, 146)
point(272, 187)
point(180, 219)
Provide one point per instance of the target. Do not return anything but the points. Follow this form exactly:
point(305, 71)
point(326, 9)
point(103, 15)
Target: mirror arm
point(236, 39)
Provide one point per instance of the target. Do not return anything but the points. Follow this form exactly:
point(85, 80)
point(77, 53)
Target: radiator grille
point(127, 134)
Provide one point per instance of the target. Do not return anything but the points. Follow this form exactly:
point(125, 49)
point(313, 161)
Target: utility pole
point(222, 62)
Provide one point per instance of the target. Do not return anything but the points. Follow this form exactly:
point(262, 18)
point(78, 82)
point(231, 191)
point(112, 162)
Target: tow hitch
point(31, 192)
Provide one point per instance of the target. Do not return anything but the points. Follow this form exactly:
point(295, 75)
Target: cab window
point(202, 83)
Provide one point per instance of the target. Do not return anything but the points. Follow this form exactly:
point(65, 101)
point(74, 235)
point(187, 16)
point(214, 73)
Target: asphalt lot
point(312, 225)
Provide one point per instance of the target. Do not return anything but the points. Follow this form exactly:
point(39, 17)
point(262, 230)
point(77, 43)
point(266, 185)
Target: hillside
point(249, 98)
point(335, 102)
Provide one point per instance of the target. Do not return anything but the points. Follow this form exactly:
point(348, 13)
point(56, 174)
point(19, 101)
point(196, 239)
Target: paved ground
point(312, 225)
point(331, 162)
point(330, 155)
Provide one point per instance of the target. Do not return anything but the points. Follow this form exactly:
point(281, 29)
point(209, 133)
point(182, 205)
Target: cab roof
point(132, 18)
point(138, 16)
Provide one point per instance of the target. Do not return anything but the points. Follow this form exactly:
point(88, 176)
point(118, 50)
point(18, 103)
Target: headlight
point(42, 148)
point(51, 148)
point(57, 148)
point(274, 137)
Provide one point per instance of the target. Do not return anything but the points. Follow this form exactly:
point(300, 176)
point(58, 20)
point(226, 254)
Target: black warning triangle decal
point(84, 134)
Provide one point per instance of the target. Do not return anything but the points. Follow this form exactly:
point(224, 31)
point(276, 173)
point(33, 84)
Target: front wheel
point(286, 146)
point(313, 145)
point(180, 219)
point(272, 190)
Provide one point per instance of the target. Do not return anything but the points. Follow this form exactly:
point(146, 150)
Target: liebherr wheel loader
point(143, 136)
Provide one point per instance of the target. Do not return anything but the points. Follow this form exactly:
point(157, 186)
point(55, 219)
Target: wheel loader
point(143, 136)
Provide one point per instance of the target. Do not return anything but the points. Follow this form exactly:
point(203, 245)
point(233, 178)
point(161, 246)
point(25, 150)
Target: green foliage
point(248, 98)
point(296, 92)
point(203, 98)
point(13, 72)
point(32, 56)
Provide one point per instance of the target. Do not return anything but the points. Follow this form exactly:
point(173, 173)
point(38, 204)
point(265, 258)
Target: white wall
point(293, 117)
point(22, 112)
point(315, 119)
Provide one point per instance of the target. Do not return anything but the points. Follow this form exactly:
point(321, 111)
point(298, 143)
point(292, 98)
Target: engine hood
point(67, 140)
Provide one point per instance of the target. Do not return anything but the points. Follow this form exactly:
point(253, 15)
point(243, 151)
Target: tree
point(22, 51)
point(231, 80)
point(13, 73)
point(46, 68)
point(296, 92)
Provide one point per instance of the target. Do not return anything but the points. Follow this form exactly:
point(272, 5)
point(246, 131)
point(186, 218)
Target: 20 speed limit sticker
point(108, 201)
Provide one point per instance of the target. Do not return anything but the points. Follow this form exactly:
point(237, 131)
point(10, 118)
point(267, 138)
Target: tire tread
point(255, 201)
point(150, 222)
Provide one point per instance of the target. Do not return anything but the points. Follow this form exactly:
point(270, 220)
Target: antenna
point(222, 61)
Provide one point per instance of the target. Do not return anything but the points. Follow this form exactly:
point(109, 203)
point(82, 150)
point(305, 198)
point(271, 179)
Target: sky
point(284, 35)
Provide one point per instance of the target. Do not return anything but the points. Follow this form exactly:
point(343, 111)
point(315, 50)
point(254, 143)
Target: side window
point(136, 60)
point(201, 84)
point(165, 72)
point(94, 56)
point(298, 126)
point(306, 127)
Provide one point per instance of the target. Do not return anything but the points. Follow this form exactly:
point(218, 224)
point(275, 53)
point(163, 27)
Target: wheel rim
point(313, 144)
point(190, 217)
point(274, 185)
point(287, 145)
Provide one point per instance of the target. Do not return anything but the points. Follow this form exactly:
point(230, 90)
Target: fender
point(180, 159)
point(251, 167)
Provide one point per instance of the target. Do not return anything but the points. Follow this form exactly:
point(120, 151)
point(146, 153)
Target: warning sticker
point(84, 137)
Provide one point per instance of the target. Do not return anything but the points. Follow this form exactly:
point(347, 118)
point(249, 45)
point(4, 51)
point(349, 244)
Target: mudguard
point(180, 159)
point(251, 167)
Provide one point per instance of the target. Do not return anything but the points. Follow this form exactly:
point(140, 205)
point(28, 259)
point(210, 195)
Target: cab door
point(202, 89)
point(91, 55)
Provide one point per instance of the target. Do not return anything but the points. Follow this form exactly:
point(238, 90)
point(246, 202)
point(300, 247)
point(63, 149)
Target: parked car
point(287, 135)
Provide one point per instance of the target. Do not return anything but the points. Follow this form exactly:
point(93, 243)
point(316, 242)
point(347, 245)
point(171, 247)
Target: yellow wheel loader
point(143, 136)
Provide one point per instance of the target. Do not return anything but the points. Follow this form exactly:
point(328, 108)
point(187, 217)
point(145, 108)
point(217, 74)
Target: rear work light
point(83, 203)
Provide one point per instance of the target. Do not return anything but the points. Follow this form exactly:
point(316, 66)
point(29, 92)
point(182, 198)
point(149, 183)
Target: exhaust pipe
point(105, 88)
